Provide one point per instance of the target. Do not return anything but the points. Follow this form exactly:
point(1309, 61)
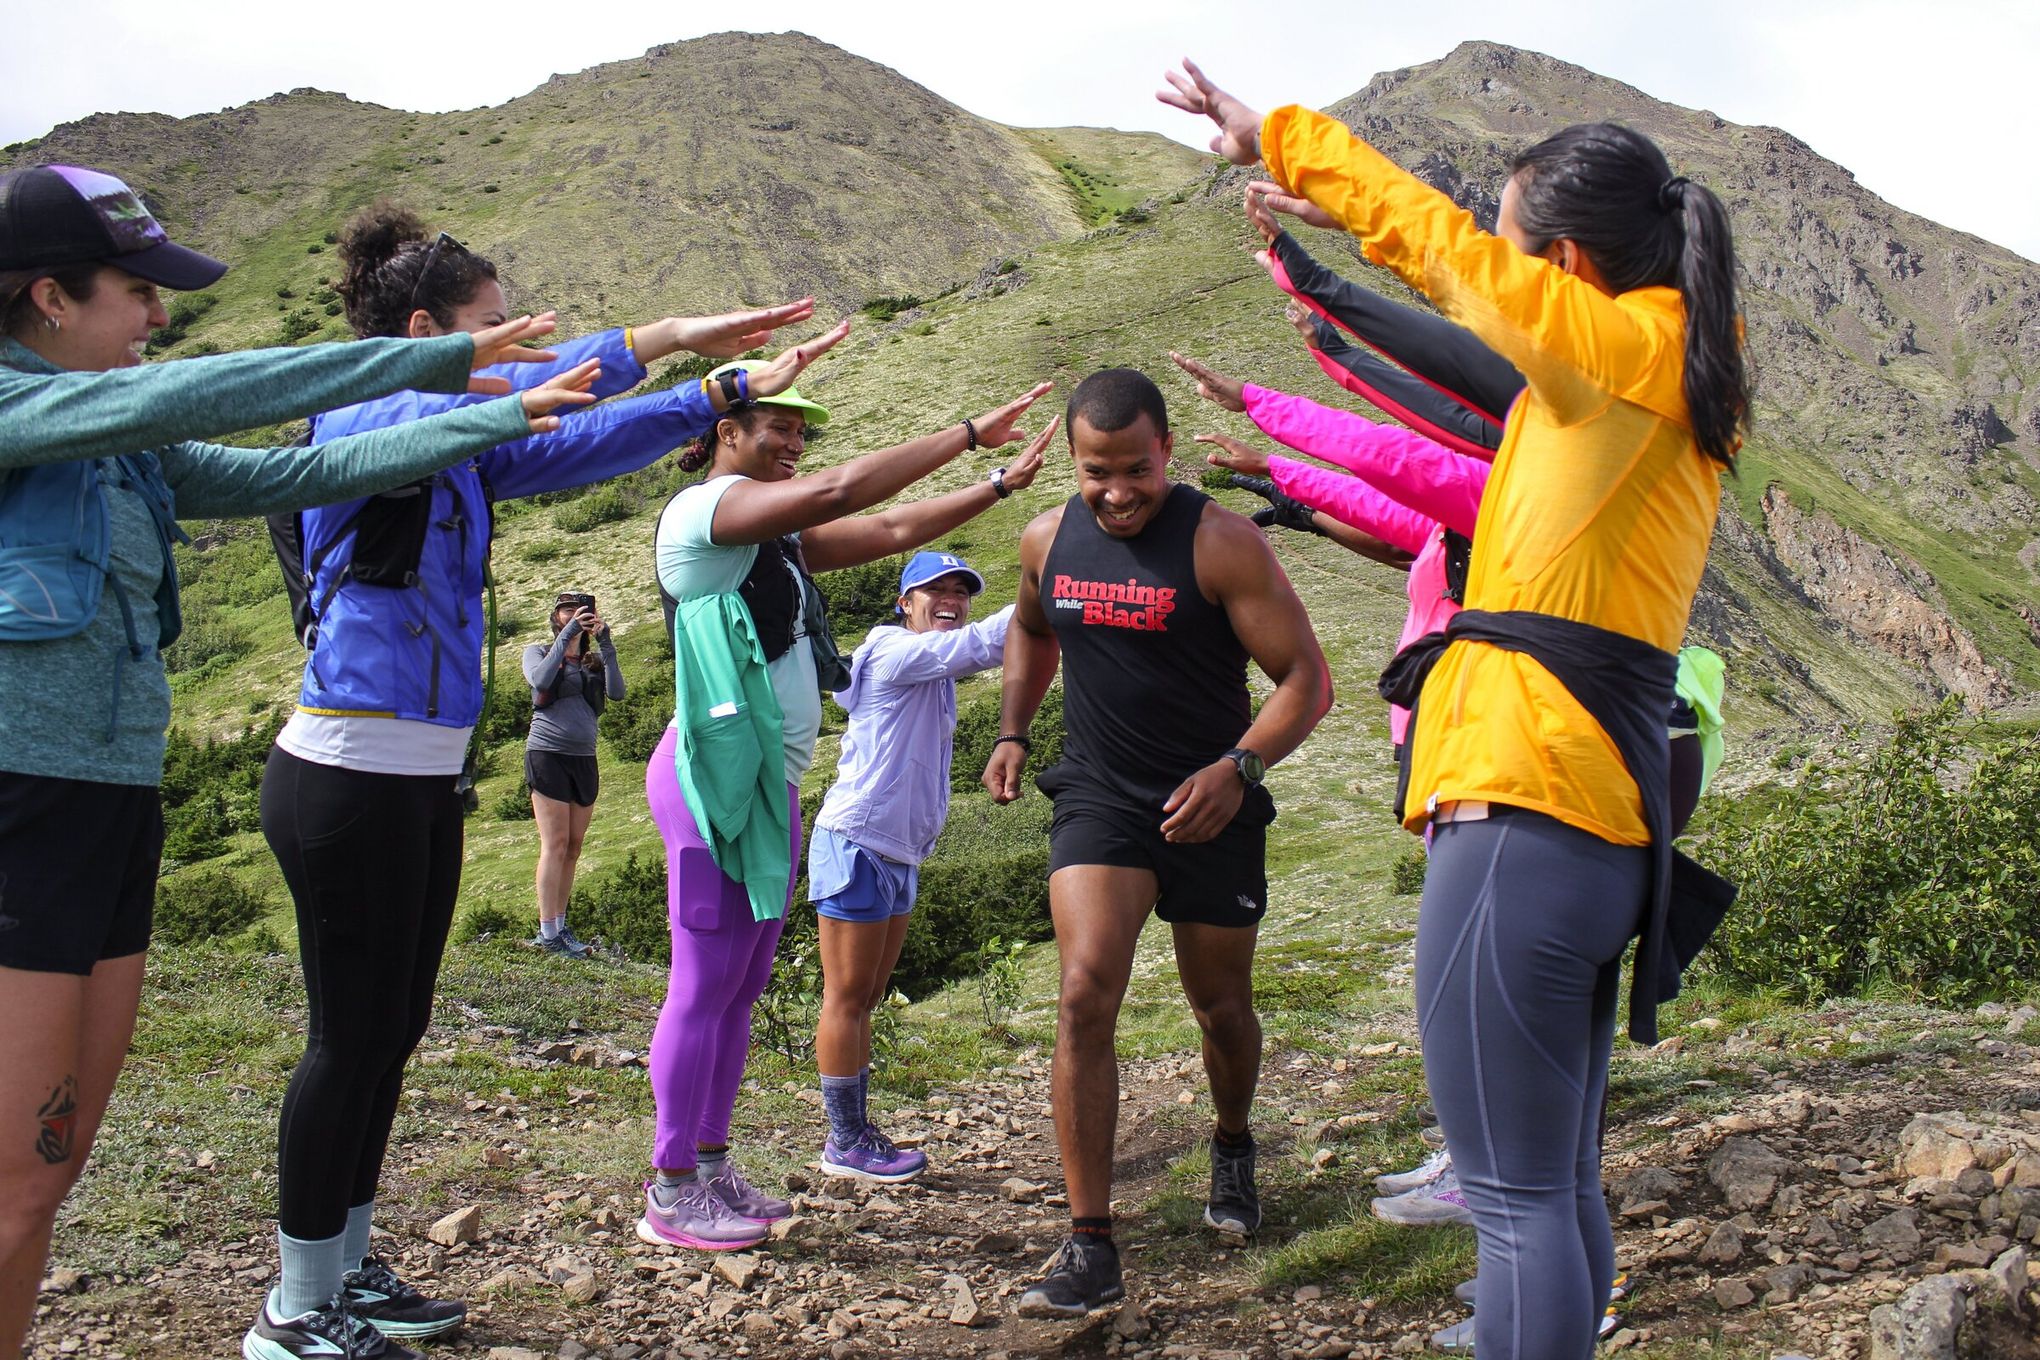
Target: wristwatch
point(997, 477)
point(1251, 767)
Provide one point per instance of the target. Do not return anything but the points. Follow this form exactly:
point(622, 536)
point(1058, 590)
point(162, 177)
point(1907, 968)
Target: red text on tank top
point(1117, 604)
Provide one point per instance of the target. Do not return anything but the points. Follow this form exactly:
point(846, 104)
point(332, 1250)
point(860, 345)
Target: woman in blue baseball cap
point(880, 820)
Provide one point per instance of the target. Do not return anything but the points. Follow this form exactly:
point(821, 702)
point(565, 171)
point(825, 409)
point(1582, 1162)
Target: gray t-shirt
point(567, 723)
point(690, 565)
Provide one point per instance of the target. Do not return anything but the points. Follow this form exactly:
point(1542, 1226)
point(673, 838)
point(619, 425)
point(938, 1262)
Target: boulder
point(1746, 1171)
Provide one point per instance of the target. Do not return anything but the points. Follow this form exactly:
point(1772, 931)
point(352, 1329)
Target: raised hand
point(1281, 509)
point(996, 427)
point(780, 374)
point(1278, 199)
point(568, 390)
point(504, 344)
point(1300, 316)
point(1020, 472)
point(1257, 213)
point(1239, 127)
point(733, 333)
point(1234, 456)
point(1212, 385)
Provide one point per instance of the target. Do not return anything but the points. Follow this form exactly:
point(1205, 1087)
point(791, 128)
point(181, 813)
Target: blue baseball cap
point(925, 566)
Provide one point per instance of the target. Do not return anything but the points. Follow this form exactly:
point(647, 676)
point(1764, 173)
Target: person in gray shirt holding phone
point(571, 683)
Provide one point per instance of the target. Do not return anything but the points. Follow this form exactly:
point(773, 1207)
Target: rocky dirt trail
point(1794, 1221)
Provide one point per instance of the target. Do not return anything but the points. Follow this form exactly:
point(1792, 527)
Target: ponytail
point(1608, 189)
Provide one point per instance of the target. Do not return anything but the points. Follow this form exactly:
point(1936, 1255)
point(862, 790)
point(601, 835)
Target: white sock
point(356, 1235)
point(550, 930)
point(311, 1274)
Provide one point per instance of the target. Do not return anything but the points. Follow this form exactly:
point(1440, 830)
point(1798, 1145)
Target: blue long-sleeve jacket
point(415, 651)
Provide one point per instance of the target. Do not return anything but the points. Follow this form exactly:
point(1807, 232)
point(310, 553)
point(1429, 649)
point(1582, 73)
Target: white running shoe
point(1441, 1201)
point(1418, 1176)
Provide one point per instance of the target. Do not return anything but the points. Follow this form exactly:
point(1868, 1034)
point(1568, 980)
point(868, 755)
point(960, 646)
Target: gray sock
point(864, 1095)
point(549, 930)
point(842, 1101)
point(311, 1274)
point(666, 1186)
point(356, 1236)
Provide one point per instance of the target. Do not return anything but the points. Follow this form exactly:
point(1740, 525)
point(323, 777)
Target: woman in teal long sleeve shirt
point(81, 750)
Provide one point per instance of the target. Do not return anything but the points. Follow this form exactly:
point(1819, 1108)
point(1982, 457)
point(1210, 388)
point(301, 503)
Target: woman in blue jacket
point(359, 800)
point(98, 455)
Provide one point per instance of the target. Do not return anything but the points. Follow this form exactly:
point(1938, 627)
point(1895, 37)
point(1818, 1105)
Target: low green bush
point(1912, 865)
point(977, 728)
point(626, 909)
point(1406, 875)
point(485, 921)
point(860, 598)
point(205, 904)
point(204, 638)
point(633, 725)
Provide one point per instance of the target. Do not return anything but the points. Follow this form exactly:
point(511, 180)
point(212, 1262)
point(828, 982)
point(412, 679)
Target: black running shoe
point(1082, 1276)
point(1235, 1205)
point(329, 1333)
point(376, 1296)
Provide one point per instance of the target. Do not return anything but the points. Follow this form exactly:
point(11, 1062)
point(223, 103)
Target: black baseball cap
point(66, 214)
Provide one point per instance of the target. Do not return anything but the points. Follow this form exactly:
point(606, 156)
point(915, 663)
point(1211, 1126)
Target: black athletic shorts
point(1219, 882)
point(563, 778)
point(78, 865)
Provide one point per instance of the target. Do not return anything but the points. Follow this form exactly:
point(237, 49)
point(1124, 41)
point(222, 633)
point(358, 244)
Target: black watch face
point(1252, 768)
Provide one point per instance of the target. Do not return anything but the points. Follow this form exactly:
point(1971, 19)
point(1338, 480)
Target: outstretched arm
point(903, 658)
point(858, 539)
point(1235, 564)
point(755, 512)
point(1031, 656)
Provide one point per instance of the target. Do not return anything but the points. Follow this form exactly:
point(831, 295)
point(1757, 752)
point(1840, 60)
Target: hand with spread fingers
point(504, 344)
point(780, 374)
point(997, 427)
point(1213, 385)
point(730, 334)
point(1304, 321)
point(1258, 213)
point(568, 389)
point(1275, 198)
point(1239, 127)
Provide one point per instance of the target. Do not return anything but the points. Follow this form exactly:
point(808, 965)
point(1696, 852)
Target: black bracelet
point(1022, 742)
point(735, 389)
point(970, 440)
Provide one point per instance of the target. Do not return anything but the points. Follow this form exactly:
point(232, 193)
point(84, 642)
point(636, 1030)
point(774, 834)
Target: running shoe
point(1432, 1135)
point(1417, 1177)
point(745, 1199)
point(374, 1294)
point(1235, 1204)
point(697, 1218)
point(1083, 1276)
point(329, 1332)
point(1466, 1290)
point(558, 944)
point(1441, 1201)
point(1458, 1338)
point(873, 1157)
point(576, 946)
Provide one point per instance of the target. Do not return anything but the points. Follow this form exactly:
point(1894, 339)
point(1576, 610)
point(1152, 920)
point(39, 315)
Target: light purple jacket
point(891, 794)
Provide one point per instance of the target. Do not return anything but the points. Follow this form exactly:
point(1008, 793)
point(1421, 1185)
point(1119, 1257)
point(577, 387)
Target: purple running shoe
point(744, 1198)
point(696, 1218)
point(873, 1157)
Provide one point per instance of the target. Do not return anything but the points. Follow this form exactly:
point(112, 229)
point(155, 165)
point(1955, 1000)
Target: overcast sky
point(1933, 107)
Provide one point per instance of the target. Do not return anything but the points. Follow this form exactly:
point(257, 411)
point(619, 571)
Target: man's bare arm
point(1030, 661)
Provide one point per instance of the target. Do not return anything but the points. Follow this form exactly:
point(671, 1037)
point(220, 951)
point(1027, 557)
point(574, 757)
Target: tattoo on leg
point(58, 1123)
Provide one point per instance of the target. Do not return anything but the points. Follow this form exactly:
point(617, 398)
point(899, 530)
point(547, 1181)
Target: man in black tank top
point(1154, 597)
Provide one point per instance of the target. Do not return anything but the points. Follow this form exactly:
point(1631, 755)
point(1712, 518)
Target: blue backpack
point(54, 546)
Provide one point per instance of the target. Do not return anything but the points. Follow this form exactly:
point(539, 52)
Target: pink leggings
point(721, 961)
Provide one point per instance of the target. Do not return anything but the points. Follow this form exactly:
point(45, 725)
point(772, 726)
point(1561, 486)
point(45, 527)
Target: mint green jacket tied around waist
point(727, 757)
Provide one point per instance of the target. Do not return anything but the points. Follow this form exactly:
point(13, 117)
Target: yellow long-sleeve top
point(1600, 506)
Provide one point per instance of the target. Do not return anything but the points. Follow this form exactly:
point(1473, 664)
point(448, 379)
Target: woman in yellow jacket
point(1610, 284)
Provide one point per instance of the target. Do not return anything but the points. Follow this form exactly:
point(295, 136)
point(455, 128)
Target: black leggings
point(373, 863)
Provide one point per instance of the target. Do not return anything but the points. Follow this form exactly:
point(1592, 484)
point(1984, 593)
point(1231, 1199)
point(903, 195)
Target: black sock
point(1092, 1230)
point(1236, 1142)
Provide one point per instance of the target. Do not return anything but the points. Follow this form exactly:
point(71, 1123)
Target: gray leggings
point(1519, 953)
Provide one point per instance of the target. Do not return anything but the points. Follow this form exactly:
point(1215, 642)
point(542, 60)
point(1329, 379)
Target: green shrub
point(1406, 875)
point(196, 829)
point(205, 904)
point(483, 921)
point(296, 326)
point(184, 311)
point(626, 908)
point(513, 805)
point(606, 504)
point(977, 727)
point(886, 308)
point(986, 879)
point(1912, 864)
point(203, 639)
point(861, 598)
point(633, 725)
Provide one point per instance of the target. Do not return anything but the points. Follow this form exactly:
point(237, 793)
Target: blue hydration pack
point(55, 539)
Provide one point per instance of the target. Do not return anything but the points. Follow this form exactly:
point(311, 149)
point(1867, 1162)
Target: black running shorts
point(78, 865)
point(1219, 882)
point(563, 778)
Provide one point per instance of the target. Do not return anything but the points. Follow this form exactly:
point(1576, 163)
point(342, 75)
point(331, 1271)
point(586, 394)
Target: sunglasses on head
point(431, 259)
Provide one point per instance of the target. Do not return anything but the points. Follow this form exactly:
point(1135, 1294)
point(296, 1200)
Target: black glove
point(1286, 511)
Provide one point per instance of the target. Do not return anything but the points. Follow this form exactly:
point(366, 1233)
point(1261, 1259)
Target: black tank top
point(1154, 678)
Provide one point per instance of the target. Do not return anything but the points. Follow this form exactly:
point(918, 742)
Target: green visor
point(815, 415)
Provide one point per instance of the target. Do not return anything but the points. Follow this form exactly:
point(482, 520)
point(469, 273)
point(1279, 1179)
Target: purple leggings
point(721, 961)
